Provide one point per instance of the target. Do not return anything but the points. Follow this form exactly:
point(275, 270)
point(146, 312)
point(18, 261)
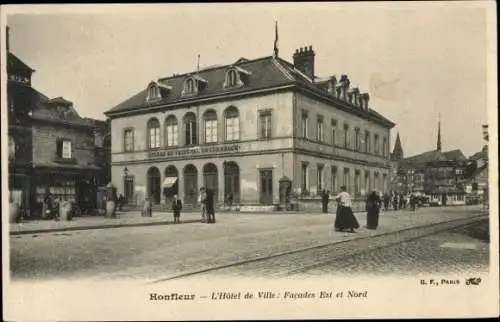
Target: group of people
point(345, 219)
point(206, 199)
point(399, 201)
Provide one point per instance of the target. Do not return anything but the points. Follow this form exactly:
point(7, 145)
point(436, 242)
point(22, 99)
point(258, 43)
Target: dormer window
point(236, 77)
point(189, 86)
point(193, 85)
point(231, 78)
point(153, 92)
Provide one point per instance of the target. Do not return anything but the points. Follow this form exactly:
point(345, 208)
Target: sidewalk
point(134, 219)
point(123, 219)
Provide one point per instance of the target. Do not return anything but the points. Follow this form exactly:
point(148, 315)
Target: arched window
point(153, 92)
point(232, 121)
point(190, 126)
point(189, 86)
point(171, 131)
point(231, 78)
point(153, 133)
point(210, 120)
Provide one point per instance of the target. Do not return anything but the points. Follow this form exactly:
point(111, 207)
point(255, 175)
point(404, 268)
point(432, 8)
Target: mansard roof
point(264, 73)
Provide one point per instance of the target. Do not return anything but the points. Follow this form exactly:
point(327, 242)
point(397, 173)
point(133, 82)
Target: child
point(176, 207)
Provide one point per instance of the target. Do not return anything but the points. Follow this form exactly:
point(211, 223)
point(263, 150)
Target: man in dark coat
point(387, 199)
point(325, 196)
point(210, 206)
point(395, 202)
point(176, 208)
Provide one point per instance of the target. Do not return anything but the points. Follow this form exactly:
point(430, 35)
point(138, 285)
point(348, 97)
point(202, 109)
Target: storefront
point(77, 184)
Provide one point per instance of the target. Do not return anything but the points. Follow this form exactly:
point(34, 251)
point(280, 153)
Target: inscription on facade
point(194, 151)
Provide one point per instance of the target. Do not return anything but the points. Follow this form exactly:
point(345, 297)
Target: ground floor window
point(231, 182)
point(59, 189)
point(304, 184)
point(357, 182)
point(266, 186)
point(319, 178)
point(334, 179)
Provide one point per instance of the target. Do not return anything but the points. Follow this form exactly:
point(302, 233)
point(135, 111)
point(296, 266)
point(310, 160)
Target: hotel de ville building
point(243, 128)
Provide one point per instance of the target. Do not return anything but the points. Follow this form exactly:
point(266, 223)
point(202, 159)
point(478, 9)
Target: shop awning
point(169, 182)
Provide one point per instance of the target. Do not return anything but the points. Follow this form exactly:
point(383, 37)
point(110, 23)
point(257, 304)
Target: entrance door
point(190, 185)
point(210, 179)
point(266, 187)
point(154, 183)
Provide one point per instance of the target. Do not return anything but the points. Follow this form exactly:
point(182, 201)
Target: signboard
point(195, 151)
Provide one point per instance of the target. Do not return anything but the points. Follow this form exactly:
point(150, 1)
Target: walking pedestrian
point(176, 208)
point(325, 196)
point(395, 202)
point(345, 218)
point(413, 202)
point(387, 200)
point(210, 206)
point(202, 200)
point(373, 210)
point(230, 200)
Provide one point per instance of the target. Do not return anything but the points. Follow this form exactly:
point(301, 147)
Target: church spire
point(397, 153)
point(438, 146)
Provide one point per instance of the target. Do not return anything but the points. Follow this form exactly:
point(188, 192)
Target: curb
point(103, 226)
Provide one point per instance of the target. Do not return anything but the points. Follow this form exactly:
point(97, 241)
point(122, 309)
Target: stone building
point(434, 173)
point(51, 147)
point(242, 128)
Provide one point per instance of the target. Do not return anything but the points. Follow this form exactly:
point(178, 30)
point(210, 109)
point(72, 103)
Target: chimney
point(7, 38)
point(364, 98)
point(332, 86)
point(303, 60)
point(350, 97)
point(356, 100)
point(344, 87)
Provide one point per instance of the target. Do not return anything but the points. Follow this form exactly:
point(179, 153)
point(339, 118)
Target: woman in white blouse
point(345, 218)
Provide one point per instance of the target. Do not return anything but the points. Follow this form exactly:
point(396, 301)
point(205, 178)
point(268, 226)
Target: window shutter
point(59, 148)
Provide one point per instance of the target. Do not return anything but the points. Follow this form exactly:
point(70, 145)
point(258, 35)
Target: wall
point(313, 162)
point(249, 166)
point(279, 103)
point(45, 137)
point(316, 108)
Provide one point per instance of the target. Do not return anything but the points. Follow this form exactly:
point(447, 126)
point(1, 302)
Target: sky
point(417, 61)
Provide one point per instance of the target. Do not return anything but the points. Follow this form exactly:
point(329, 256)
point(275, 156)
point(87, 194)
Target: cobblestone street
point(160, 252)
point(444, 253)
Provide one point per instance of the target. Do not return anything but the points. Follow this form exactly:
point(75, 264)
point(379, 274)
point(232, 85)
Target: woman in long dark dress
point(345, 218)
point(373, 210)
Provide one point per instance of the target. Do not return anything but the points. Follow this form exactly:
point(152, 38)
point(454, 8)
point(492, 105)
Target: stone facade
point(282, 127)
point(51, 148)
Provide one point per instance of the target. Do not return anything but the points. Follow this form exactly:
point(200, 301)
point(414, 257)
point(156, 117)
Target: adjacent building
point(441, 175)
point(51, 147)
point(243, 129)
